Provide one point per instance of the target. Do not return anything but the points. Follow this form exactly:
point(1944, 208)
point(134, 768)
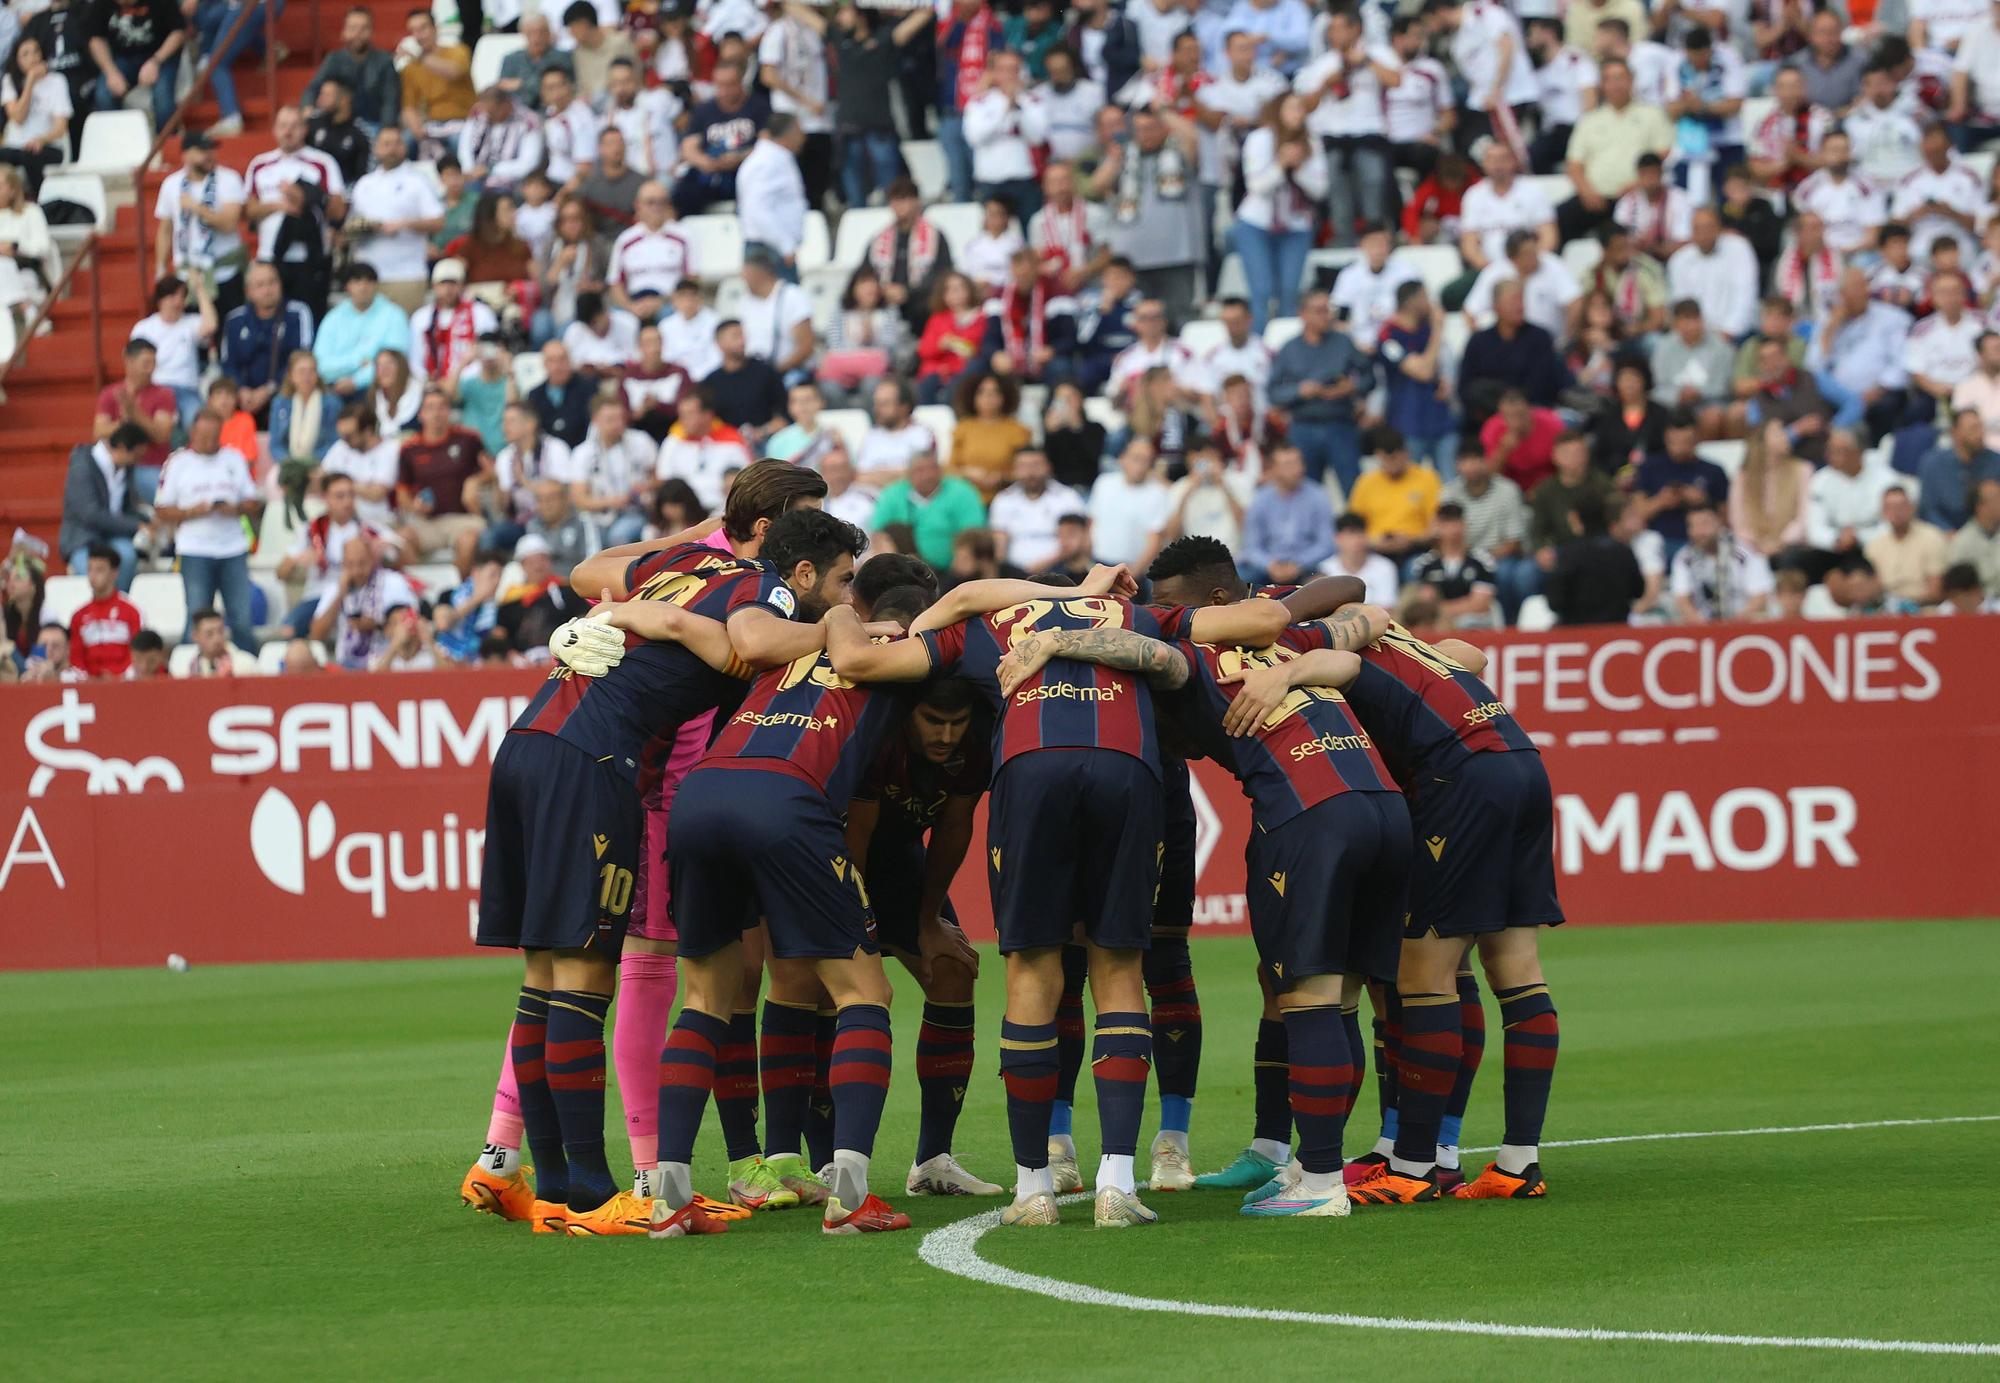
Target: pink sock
point(646, 988)
point(504, 1130)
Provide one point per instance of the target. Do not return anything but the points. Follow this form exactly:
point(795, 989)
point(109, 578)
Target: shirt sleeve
point(946, 646)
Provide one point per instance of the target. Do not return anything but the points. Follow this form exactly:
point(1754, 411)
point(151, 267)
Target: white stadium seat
point(1728, 455)
point(1436, 265)
point(162, 602)
point(816, 250)
point(85, 189)
point(271, 657)
point(858, 229)
point(960, 222)
point(717, 243)
point(1536, 615)
point(529, 372)
point(940, 420)
point(1230, 280)
point(63, 597)
point(1203, 335)
point(730, 296)
point(1580, 256)
point(928, 170)
point(489, 53)
point(1755, 108)
point(825, 287)
point(1105, 414)
point(851, 423)
point(1279, 330)
point(1555, 186)
point(114, 143)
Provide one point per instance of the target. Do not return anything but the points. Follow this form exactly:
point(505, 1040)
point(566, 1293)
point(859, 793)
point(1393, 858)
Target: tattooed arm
point(1264, 688)
point(1160, 664)
point(1353, 627)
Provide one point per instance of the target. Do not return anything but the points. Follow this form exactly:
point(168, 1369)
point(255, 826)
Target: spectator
point(1352, 556)
point(103, 627)
point(140, 402)
point(101, 505)
point(1978, 543)
point(1849, 208)
point(1854, 591)
point(1980, 390)
point(777, 318)
point(975, 556)
point(1746, 211)
point(1715, 576)
point(1519, 439)
point(1160, 416)
point(1289, 528)
point(469, 611)
point(1344, 90)
point(206, 493)
point(1788, 396)
point(1963, 593)
point(1487, 49)
point(868, 53)
point(137, 44)
point(23, 590)
point(721, 133)
point(1593, 576)
point(1399, 500)
point(867, 339)
point(1829, 67)
point(1693, 368)
point(1808, 272)
point(291, 163)
point(149, 657)
point(687, 334)
point(435, 490)
point(361, 327)
point(365, 70)
point(1555, 499)
point(562, 400)
point(937, 508)
point(1074, 441)
point(772, 201)
point(1241, 353)
point(258, 337)
point(1030, 325)
point(332, 129)
point(396, 394)
point(569, 536)
point(1633, 284)
point(1512, 353)
point(1942, 350)
point(1718, 269)
point(482, 389)
point(609, 476)
point(1658, 216)
point(1285, 178)
point(893, 440)
point(1461, 577)
point(1075, 548)
point(1211, 499)
point(1419, 395)
point(1941, 196)
point(34, 264)
point(1551, 298)
point(1954, 470)
point(1777, 321)
point(1153, 347)
point(594, 48)
point(460, 197)
point(654, 385)
point(1157, 223)
point(649, 260)
point(985, 257)
point(1770, 505)
point(239, 429)
point(808, 441)
point(1496, 525)
point(1676, 479)
point(1107, 325)
point(1494, 208)
point(1604, 152)
point(528, 456)
point(353, 613)
point(1785, 147)
point(316, 553)
point(38, 113)
point(749, 393)
point(445, 331)
point(411, 646)
point(1887, 136)
point(1003, 123)
point(609, 190)
point(304, 424)
point(1318, 377)
point(1634, 424)
point(569, 131)
point(1364, 293)
point(845, 499)
point(1858, 350)
point(1068, 233)
point(494, 255)
point(1844, 501)
point(214, 654)
point(62, 30)
point(178, 342)
point(1422, 109)
point(602, 342)
point(988, 433)
point(1025, 515)
point(702, 449)
point(1907, 553)
point(437, 88)
point(1129, 508)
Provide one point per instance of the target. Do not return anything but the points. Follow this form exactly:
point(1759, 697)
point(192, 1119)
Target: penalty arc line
point(954, 1249)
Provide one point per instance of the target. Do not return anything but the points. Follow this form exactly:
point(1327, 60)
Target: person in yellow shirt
point(437, 88)
point(1397, 498)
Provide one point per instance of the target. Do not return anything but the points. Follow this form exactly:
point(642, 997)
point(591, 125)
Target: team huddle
point(753, 770)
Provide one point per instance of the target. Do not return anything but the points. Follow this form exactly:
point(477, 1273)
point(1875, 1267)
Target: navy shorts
point(1485, 856)
point(1173, 914)
point(896, 887)
point(1073, 836)
point(744, 843)
point(1328, 889)
point(562, 849)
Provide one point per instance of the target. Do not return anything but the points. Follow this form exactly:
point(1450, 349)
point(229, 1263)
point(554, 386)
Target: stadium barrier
point(1777, 771)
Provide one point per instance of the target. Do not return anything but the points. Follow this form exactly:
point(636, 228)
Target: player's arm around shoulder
point(1253, 623)
point(606, 570)
point(859, 659)
point(1353, 627)
point(664, 623)
point(763, 639)
point(971, 599)
point(1462, 653)
point(1322, 596)
point(1163, 666)
point(1263, 689)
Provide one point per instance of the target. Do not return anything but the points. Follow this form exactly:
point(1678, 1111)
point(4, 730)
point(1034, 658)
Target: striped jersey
point(806, 720)
point(632, 712)
point(1068, 704)
point(1425, 712)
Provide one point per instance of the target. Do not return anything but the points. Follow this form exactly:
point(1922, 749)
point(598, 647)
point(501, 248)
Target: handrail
point(49, 300)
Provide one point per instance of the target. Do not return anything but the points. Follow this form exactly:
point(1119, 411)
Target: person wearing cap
point(445, 332)
point(531, 611)
point(501, 142)
point(771, 194)
point(197, 214)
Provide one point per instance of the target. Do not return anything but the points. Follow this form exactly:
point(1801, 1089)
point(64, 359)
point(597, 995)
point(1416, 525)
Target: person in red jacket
point(101, 633)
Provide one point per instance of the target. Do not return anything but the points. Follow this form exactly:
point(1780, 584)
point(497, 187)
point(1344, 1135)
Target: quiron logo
point(370, 864)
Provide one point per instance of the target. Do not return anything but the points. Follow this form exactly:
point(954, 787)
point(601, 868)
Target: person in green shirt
point(1554, 500)
point(936, 506)
point(482, 391)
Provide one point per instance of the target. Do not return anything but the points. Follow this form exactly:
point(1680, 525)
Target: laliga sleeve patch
point(782, 601)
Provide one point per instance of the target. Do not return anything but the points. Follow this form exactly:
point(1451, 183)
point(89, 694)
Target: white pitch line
point(954, 1249)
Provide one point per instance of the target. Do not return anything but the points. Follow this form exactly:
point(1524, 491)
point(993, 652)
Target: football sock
point(859, 1079)
point(500, 1160)
point(736, 1086)
point(785, 1068)
point(1069, 1022)
point(1528, 1016)
point(1115, 1169)
point(1472, 1031)
point(1320, 1183)
point(819, 1114)
point(504, 1129)
point(1028, 1069)
point(944, 1067)
point(1319, 1075)
point(1357, 1056)
point(575, 1064)
point(1427, 1064)
point(1270, 1079)
point(850, 1177)
point(1121, 1059)
point(1176, 1018)
point(526, 1052)
point(647, 985)
point(1388, 1028)
point(687, 1075)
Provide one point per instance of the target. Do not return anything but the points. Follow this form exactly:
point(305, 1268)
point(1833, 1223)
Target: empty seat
point(928, 170)
point(489, 53)
point(1726, 454)
point(1536, 615)
point(939, 420)
point(1436, 265)
point(86, 190)
point(162, 602)
point(529, 372)
point(816, 250)
point(851, 423)
point(961, 223)
point(1279, 330)
point(114, 143)
point(717, 243)
point(858, 229)
point(824, 287)
point(63, 597)
point(1203, 335)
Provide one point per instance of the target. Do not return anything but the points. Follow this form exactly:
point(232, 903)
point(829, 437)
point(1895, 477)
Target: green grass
point(253, 1171)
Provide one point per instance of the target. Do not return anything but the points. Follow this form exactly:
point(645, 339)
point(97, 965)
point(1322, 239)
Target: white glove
point(588, 646)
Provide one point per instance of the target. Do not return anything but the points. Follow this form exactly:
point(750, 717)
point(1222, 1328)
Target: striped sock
point(687, 1075)
point(1427, 1064)
point(859, 1077)
point(1388, 1032)
point(575, 1059)
point(1320, 1077)
point(1357, 1056)
point(1532, 1038)
point(1028, 1068)
point(944, 1067)
point(1270, 1077)
point(785, 1069)
point(819, 1114)
point(736, 1086)
point(528, 1046)
point(1120, 1062)
point(1472, 1030)
point(1176, 1029)
point(1069, 1022)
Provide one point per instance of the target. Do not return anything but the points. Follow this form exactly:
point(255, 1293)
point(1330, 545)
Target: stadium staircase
point(51, 394)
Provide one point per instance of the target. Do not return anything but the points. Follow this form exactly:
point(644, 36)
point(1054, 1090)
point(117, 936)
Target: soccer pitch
point(253, 1171)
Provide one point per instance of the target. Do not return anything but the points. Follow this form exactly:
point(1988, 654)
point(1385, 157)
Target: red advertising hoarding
point(1713, 774)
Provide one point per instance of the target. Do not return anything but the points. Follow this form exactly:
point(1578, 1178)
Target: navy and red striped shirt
point(1426, 713)
point(913, 790)
point(806, 720)
point(1068, 704)
point(1310, 749)
point(632, 712)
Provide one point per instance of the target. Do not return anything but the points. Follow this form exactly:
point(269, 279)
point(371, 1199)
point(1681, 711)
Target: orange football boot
point(720, 1210)
point(624, 1213)
point(1496, 1185)
point(551, 1217)
point(511, 1198)
point(1393, 1188)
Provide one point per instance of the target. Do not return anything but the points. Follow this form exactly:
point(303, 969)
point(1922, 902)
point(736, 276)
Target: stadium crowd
point(1515, 316)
